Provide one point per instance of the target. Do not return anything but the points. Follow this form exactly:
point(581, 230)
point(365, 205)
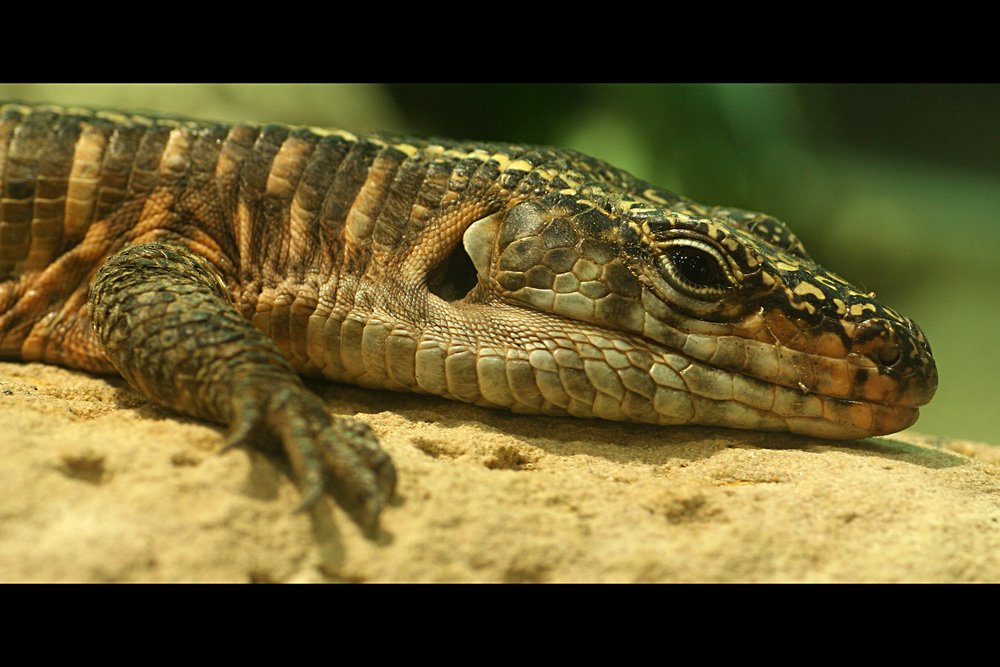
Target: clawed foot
point(165, 320)
point(339, 455)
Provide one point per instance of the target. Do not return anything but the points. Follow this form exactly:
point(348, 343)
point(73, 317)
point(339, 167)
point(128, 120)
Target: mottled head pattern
point(728, 292)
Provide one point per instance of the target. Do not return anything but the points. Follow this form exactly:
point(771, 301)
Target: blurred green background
point(896, 188)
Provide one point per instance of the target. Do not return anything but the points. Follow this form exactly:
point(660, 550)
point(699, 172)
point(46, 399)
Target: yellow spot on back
point(344, 134)
point(830, 280)
point(572, 182)
point(19, 108)
point(808, 288)
point(174, 158)
point(860, 308)
point(409, 150)
point(114, 117)
point(501, 160)
point(652, 196)
point(804, 305)
point(782, 266)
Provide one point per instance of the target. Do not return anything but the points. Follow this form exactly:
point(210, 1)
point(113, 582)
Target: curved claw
point(358, 468)
point(340, 455)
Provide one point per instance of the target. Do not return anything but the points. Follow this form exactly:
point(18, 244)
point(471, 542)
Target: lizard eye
point(695, 268)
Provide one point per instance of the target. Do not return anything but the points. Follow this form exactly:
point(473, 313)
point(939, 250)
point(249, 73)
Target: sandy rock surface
point(99, 485)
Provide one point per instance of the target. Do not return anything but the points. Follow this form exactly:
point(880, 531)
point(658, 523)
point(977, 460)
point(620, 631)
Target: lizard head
point(748, 330)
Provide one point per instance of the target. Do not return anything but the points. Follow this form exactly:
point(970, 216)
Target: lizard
point(213, 264)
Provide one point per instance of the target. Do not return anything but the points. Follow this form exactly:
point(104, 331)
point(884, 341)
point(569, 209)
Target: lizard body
point(534, 279)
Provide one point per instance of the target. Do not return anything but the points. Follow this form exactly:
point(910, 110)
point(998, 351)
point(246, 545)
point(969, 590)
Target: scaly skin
point(534, 279)
point(165, 319)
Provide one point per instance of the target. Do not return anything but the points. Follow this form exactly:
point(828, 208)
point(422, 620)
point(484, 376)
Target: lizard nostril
point(889, 355)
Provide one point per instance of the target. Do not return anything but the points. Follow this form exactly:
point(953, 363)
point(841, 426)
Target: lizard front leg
point(166, 321)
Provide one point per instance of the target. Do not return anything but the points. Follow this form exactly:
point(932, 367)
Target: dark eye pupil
point(696, 266)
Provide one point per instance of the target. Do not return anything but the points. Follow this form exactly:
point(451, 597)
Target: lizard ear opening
point(459, 273)
point(456, 275)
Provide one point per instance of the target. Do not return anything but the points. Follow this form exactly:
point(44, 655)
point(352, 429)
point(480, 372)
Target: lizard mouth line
point(799, 389)
point(710, 386)
point(639, 341)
